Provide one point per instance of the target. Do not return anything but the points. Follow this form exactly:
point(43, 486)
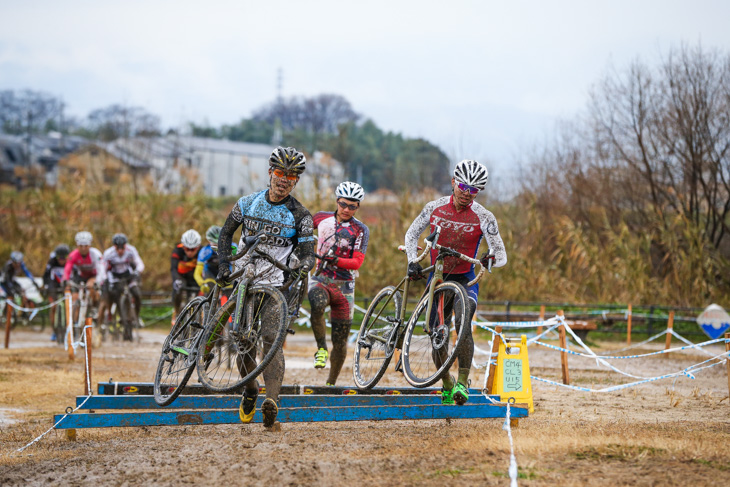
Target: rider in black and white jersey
point(287, 229)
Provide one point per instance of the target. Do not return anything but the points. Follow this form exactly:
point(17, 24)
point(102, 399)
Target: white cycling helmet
point(191, 239)
point(83, 238)
point(351, 191)
point(472, 173)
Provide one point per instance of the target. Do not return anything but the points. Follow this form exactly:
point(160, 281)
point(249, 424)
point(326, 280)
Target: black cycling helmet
point(288, 159)
point(119, 240)
point(62, 251)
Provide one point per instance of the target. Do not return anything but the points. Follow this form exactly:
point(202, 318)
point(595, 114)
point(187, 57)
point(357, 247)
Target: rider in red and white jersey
point(464, 223)
point(342, 242)
point(84, 263)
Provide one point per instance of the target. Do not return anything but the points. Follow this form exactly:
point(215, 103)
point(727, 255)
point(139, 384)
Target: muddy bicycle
point(424, 338)
point(223, 340)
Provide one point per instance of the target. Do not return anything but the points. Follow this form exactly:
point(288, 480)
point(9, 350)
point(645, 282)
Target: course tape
point(688, 372)
point(88, 386)
point(615, 357)
point(33, 311)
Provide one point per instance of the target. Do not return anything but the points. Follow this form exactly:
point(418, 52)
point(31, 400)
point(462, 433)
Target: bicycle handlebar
point(432, 242)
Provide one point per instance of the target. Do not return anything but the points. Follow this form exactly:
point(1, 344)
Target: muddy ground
point(669, 432)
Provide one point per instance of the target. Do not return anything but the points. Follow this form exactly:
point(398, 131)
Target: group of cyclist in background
point(336, 255)
point(119, 265)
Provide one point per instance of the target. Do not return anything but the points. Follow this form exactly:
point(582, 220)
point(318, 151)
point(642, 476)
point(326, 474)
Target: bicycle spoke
point(428, 352)
point(377, 337)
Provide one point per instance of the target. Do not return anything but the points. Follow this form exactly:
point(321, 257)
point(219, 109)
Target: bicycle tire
point(177, 359)
point(126, 311)
point(59, 321)
point(78, 331)
point(420, 347)
point(376, 341)
point(229, 372)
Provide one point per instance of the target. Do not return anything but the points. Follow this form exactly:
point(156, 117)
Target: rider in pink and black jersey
point(464, 223)
point(342, 242)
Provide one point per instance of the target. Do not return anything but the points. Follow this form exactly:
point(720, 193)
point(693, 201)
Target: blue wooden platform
point(146, 388)
point(232, 402)
point(290, 415)
point(129, 406)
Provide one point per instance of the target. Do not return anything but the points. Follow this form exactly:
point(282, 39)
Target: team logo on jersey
point(492, 228)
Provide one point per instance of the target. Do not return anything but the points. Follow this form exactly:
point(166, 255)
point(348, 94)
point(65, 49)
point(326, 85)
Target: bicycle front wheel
point(232, 354)
point(376, 339)
point(59, 321)
point(129, 317)
point(428, 351)
point(177, 359)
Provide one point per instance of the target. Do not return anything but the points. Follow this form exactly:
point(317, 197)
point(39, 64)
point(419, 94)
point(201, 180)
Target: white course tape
point(88, 385)
point(34, 311)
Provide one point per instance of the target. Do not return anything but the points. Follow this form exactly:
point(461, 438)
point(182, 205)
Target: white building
point(220, 167)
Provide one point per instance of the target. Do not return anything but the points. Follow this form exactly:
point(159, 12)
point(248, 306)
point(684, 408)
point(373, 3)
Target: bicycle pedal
point(290, 331)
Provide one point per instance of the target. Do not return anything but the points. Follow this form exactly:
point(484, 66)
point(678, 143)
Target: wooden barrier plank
point(146, 389)
point(290, 415)
point(232, 402)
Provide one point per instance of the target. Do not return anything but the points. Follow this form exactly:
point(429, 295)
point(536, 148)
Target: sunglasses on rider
point(290, 176)
point(468, 189)
point(344, 205)
point(188, 249)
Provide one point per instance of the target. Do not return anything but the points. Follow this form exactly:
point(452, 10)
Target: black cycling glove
point(414, 271)
point(224, 273)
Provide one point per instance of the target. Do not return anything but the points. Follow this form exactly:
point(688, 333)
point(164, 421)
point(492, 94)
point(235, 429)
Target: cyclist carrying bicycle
point(121, 262)
point(463, 223)
point(287, 229)
point(182, 267)
point(53, 278)
point(207, 266)
point(342, 243)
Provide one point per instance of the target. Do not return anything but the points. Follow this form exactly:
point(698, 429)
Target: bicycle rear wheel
point(429, 353)
point(177, 359)
point(228, 355)
point(376, 339)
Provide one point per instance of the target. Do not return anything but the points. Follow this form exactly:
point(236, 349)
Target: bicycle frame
point(438, 278)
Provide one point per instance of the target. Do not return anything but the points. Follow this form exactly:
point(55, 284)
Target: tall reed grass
point(551, 258)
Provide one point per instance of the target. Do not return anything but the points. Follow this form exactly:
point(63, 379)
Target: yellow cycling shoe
point(248, 406)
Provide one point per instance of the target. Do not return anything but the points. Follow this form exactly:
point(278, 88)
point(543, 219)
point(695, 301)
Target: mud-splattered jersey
point(287, 228)
point(460, 230)
point(348, 239)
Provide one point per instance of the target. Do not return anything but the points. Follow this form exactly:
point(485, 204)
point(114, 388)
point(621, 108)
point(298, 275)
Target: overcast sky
point(481, 79)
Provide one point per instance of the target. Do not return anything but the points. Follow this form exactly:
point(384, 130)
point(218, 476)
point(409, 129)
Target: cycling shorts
point(463, 279)
point(341, 294)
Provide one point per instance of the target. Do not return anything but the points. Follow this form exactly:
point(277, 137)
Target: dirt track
point(657, 434)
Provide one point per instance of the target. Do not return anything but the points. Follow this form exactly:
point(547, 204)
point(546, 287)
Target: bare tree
point(28, 112)
point(117, 121)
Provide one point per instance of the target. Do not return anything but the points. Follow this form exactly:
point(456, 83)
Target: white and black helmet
point(83, 238)
point(350, 190)
point(191, 239)
point(472, 173)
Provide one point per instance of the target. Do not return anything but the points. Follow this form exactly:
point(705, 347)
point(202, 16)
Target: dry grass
point(550, 256)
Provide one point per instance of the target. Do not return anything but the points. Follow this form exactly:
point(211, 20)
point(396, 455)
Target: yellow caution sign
point(512, 380)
